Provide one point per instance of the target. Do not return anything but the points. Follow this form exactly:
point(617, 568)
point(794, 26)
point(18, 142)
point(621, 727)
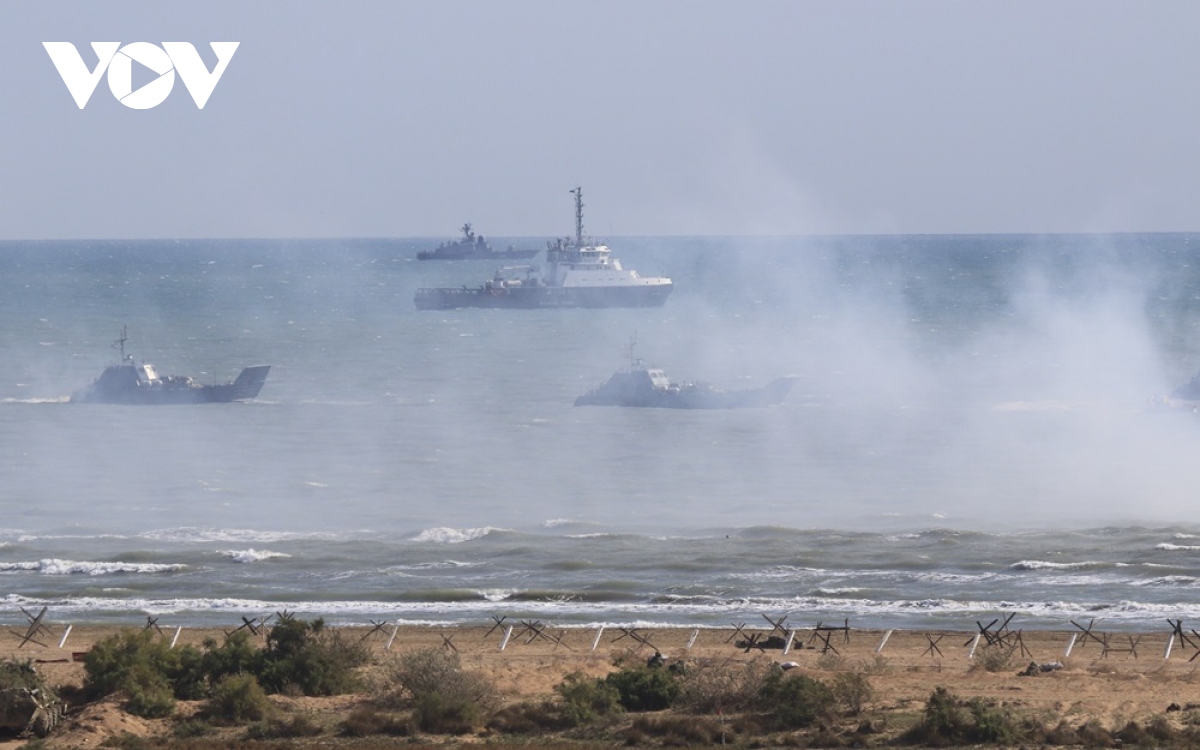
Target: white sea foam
point(252, 555)
point(56, 567)
point(210, 535)
point(447, 535)
point(1167, 546)
point(1044, 565)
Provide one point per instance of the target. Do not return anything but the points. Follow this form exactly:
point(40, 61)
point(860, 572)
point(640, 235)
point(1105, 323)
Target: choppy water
point(969, 435)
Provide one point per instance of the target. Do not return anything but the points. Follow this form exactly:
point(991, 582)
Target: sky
point(398, 118)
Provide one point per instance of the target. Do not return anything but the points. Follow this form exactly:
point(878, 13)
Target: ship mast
point(578, 192)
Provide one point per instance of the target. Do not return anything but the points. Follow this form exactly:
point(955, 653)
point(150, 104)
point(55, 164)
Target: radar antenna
point(120, 343)
point(578, 192)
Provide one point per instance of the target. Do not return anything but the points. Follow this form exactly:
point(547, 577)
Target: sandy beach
point(1132, 679)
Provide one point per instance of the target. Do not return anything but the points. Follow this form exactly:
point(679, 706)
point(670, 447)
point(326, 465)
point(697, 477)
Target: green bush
point(310, 659)
point(148, 693)
point(644, 688)
point(947, 721)
point(238, 698)
point(110, 662)
point(853, 691)
point(720, 687)
point(418, 674)
point(796, 700)
point(586, 699)
point(446, 714)
point(367, 721)
point(299, 655)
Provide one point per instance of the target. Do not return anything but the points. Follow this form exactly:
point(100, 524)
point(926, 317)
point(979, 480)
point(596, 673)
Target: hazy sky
point(395, 118)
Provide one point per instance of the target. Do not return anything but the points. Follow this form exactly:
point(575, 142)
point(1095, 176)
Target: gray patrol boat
point(650, 387)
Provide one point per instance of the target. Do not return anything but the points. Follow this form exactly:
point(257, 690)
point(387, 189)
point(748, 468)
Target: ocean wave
point(447, 535)
point(1167, 546)
point(48, 400)
point(251, 555)
point(56, 567)
point(1044, 565)
point(580, 612)
point(210, 535)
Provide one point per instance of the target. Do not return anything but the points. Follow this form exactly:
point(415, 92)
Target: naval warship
point(129, 383)
point(646, 387)
point(472, 247)
point(579, 273)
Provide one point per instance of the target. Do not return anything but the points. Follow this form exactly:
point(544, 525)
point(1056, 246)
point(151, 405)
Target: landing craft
point(129, 383)
point(645, 387)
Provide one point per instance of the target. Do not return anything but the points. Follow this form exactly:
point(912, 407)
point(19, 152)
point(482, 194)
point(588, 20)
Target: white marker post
point(692, 640)
point(1170, 643)
point(395, 629)
point(507, 635)
point(596, 640)
point(65, 634)
point(787, 647)
point(974, 643)
point(883, 641)
point(175, 638)
point(1070, 645)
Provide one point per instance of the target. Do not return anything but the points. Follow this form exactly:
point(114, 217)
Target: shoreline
point(1088, 685)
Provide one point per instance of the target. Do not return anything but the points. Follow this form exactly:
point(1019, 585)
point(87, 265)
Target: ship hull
point(473, 255)
point(115, 387)
point(623, 391)
point(540, 297)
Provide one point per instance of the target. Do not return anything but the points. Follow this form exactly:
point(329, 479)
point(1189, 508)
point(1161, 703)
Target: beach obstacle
point(448, 642)
point(738, 629)
point(1086, 633)
point(824, 633)
point(498, 623)
point(37, 627)
point(376, 627)
point(152, 624)
point(1110, 648)
point(933, 644)
point(642, 640)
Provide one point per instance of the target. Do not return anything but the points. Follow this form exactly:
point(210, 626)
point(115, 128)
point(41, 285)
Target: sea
point(980, 426)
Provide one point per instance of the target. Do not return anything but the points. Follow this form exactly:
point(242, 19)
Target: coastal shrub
point(794, 700)
point(644, 688)
point(853, 691)
point(996, 659)
point(147, 692)
point(948, 721)
point(110, 662)
point(441, 713)
point(418, 674)
point(300, 725)
point(308, 658)
point(710, 687)
point(367, 721)
point(238, 698)
point(586, 699)
point(532, 718)
point(682, 731)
